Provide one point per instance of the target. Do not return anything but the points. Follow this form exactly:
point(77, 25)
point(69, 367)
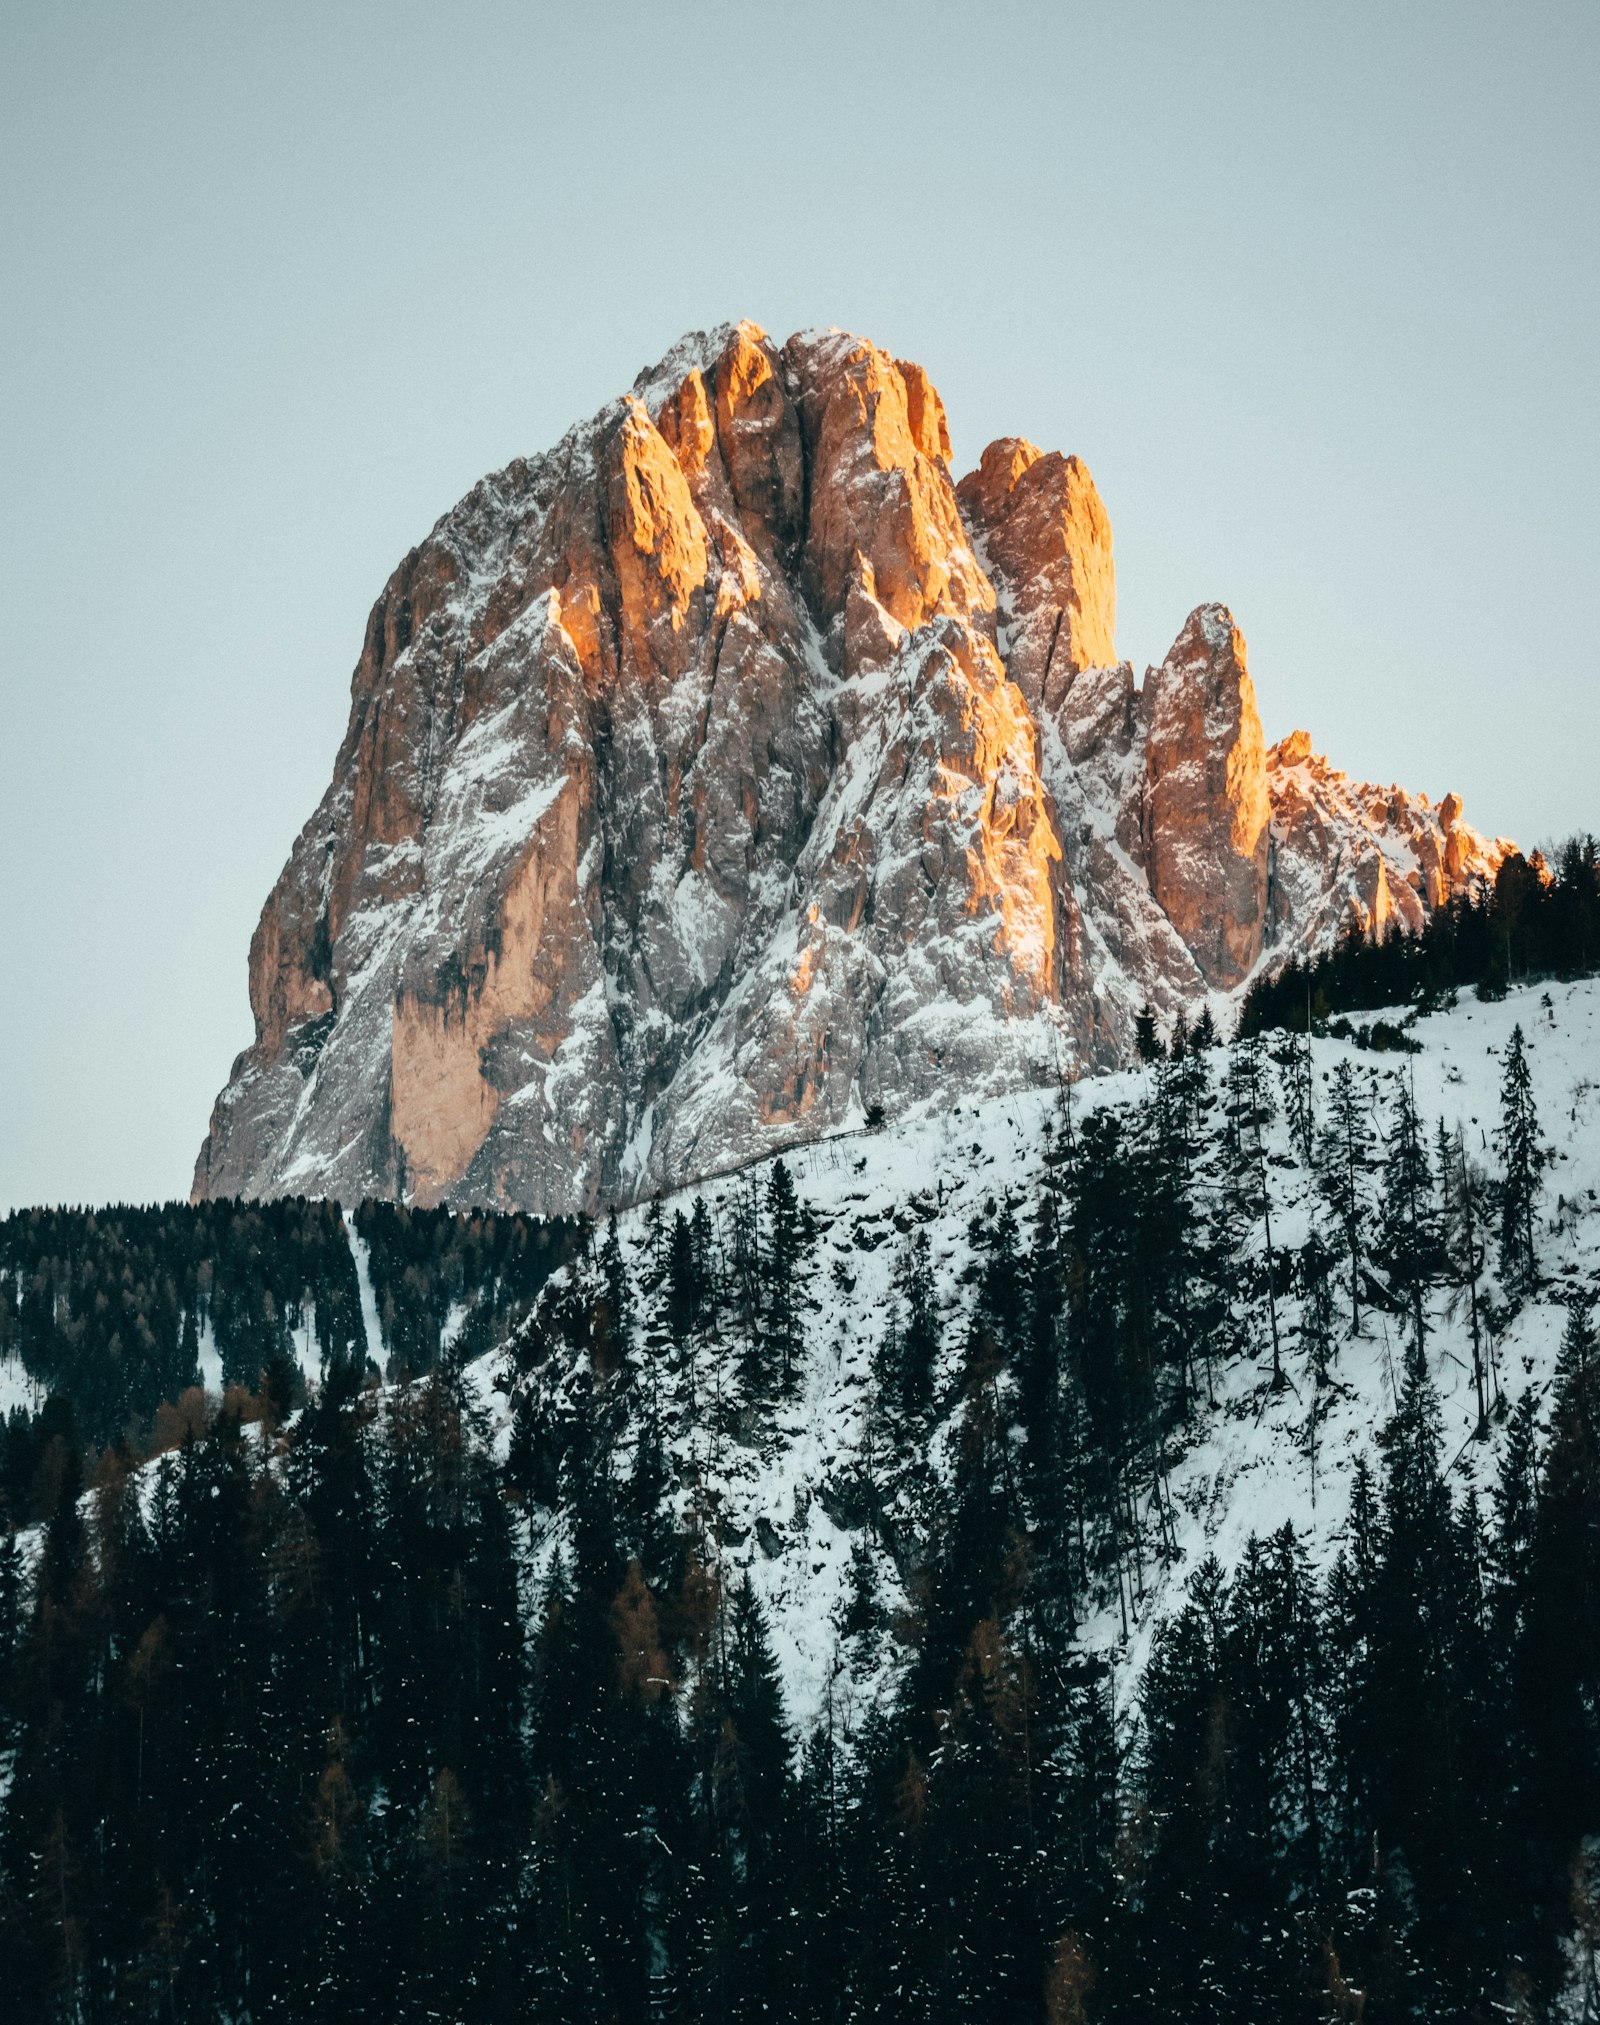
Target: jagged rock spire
point(726, 770)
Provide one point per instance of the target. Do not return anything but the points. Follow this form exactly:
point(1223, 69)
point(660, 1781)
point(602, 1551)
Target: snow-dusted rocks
point(1347, 850)
point(1206, 845)
point(728, 770)
point(1048, 541)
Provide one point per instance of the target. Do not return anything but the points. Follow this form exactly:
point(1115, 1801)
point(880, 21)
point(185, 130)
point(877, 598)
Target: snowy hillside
point(788, 1506)
point(1015, 1557)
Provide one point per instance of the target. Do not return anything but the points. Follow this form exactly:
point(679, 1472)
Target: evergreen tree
point(686, 1289)
point(1249, 1113)
point(1299, 1093)
point(1346, 1156)
point(11, 1624)
point(1146, 1039)
point(1520, 1161)
point(1410, 1235)
point(614, 1323)
point(912, 1351)
point(1462, 1250)
point(646, 1513)
point(785, 1249)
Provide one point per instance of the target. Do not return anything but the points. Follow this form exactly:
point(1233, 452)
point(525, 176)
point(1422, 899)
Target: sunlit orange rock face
point(1206, 807)
point(1048, 540)
point(729, 769)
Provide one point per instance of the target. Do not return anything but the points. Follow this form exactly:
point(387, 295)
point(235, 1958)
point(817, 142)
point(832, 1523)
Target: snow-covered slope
point(785, 1503)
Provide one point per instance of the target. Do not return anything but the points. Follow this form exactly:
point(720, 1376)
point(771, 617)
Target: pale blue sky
point(1313, 290)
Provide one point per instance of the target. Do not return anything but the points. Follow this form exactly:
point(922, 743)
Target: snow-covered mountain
point(729, 773)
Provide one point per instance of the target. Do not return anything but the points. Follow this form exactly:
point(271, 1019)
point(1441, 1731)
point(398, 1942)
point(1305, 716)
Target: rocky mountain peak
point(1047, 538)
point(727, 771)
point(1206, 808)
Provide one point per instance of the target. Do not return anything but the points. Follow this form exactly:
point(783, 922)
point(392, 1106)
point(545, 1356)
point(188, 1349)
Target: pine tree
point(1299, 1093)
point(1463, 1250)
point(744, 1270)
point(1410, 1235)
point(655, 1241)
point(1315, 1272)
point(1169, 1242)
point(1347, 1153)
point(702, 1241)
point(864, 1614)
point(1515, 1508)
point(685, 1285)
point(189, 1346)
point(1551, 1735)
point(785, 1247)
point(1433, 1775)
point(1249, 1112)
point(1520, 1161)
point(588, 1490)
point(1039, 1365)
point(918, 1338)
point(646, 1513)
point(11, 1624)
point(755, 1705)
point(614, 1322)
point(1108, 1345)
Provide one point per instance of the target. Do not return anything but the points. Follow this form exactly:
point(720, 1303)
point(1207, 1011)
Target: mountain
point(730, 774)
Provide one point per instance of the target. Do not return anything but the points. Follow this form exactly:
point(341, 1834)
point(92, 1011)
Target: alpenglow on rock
point(728, 770)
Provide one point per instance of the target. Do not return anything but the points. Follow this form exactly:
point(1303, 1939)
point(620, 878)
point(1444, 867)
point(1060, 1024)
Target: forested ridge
point(1541, 918)
point(463, 1695)
point(111, 1310)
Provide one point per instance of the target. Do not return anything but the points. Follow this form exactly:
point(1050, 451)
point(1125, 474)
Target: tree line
point(108, 1309)
point(1537, 920)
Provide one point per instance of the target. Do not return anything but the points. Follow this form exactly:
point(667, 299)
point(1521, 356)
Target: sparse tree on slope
point(1521, 1160)
point(1347, 1153)
point(1411, 1238)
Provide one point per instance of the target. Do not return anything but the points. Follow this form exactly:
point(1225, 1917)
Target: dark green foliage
point(1147, 1042)
point(1346, 1157)
point(1410, 1247)
point(1538, 921)
point(785, 1249)
point(114, 1302)
point(909, 1354)
point(1521, 1158)
point(329, 1713)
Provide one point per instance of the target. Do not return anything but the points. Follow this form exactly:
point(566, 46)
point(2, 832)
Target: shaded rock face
point(728, 770)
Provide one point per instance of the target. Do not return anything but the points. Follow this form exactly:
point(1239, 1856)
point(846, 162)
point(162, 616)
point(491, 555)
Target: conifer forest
point(388, 1630)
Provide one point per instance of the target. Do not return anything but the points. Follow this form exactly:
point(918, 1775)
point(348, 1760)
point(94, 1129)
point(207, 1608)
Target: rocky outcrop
point(728, 771)
point(1206, 805)
point(1047, 538)
point(1347, 850)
